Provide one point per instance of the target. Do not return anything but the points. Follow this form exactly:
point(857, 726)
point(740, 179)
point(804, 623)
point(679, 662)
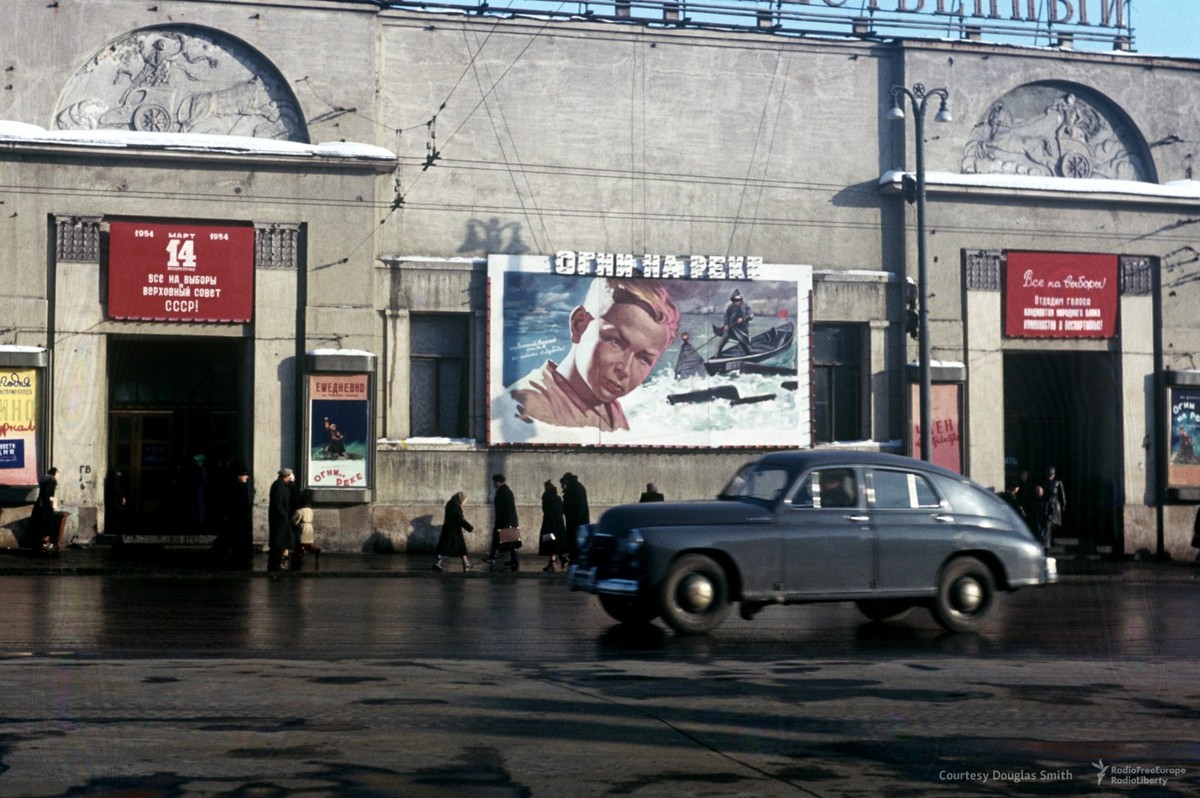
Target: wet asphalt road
point(498, 617)
point(227, 684)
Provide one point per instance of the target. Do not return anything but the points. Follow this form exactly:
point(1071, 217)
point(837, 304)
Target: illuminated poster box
point(340, 425)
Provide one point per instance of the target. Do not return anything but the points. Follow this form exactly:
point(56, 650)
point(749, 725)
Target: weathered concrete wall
point(574, 135)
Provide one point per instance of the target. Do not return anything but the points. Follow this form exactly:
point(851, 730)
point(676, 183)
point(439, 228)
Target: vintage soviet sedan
point(886, 532)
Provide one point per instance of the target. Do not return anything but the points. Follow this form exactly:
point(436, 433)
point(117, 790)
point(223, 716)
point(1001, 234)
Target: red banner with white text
point(1060, 295)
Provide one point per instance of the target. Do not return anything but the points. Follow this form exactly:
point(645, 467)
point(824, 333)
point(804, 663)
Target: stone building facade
point(378, 158)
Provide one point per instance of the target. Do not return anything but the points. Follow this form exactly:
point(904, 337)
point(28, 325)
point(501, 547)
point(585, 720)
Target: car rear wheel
point(629, 609)
point(882, 610)
point(695, 595)
point(966, 595)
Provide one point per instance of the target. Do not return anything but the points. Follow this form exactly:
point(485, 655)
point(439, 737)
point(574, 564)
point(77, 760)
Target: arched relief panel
point(1056, 129)
point(181, 79)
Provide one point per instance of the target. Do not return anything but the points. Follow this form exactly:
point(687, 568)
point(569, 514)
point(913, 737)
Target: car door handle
point(944, 519)
point(858, 519)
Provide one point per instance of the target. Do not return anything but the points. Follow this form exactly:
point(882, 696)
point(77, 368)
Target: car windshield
point(760, 483)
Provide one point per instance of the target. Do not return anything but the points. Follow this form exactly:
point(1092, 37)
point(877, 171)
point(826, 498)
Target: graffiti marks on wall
point(180, 80)
point(493, 237)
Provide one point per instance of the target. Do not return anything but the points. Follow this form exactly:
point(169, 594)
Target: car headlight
point(633, 542)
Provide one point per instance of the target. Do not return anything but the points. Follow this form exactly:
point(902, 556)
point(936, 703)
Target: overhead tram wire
point(401, 198)
point(508, 165)
point(779, 56)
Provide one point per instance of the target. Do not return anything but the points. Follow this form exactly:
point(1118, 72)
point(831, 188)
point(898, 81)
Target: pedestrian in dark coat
point(451, 542)
point(115, 497)
point(651, 494)
point(504, 506)
point(1026, 493)
point(1054, 502)
point(1196, 531)
point(235, 534)
point(241, 518)
point(554, 528)
point(575, 510)
point(44, 534)
point(282, 535)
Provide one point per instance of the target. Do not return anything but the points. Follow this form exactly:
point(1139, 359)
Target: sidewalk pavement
point(156, 559)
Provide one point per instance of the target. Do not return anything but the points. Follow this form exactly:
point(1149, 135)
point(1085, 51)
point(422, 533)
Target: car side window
point(833, 487)
point(765, 483)
point(803, 495)
point(902, 490)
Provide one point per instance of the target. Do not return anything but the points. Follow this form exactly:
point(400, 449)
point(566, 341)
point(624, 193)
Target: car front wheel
point(628, 609)
point(966, 595)
point(695, 595)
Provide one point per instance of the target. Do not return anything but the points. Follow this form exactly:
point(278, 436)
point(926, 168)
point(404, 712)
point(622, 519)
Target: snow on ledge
point(22, 133)
point(1176, 189)
point(351, 352)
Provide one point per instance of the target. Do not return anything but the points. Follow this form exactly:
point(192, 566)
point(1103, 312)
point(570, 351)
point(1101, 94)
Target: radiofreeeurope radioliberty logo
point(1135, 775)
point(1107, 775)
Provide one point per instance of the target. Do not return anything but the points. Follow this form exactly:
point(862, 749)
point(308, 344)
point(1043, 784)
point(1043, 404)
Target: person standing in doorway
point(282, 536)
point(1026, 494)
point(550, 539)
point(115, 497)
point(198, 491)
point(1054, 498)
point(575, 511)
point(450, 542)
point(504, 506)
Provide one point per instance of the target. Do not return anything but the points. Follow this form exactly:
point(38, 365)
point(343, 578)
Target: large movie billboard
point(596, 349)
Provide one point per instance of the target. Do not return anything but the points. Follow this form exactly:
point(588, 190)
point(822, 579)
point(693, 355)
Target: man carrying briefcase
point(506, 533)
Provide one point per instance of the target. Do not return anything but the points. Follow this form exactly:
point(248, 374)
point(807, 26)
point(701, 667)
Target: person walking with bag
point(451, 542)
point(554, 529)
point(505, 517)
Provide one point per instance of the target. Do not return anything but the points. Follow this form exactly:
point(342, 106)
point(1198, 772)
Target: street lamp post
point(918, 96)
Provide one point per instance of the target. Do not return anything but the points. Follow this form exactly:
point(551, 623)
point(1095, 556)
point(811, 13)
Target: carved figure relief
point(180, 80)
point(1056, 130)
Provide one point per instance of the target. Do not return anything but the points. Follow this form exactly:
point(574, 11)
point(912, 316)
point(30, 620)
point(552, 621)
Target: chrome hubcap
point(967, 595)
point(696, 591)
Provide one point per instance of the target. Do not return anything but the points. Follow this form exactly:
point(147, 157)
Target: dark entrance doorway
point(1063, 409)
point(175, 431)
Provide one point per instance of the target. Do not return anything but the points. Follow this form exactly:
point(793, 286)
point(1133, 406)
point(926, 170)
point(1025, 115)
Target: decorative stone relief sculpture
point(1056, 130)
point(180, 80)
